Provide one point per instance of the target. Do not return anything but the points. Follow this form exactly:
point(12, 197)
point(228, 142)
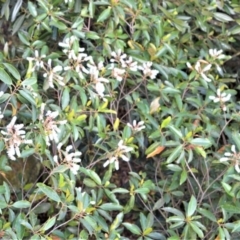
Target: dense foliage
point(119, 119)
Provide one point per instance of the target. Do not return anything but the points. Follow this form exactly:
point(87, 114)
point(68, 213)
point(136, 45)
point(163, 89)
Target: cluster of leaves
point(139, 81)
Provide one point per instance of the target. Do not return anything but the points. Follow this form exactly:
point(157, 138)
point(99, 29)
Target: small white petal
point(224, 159)
point(233, 148)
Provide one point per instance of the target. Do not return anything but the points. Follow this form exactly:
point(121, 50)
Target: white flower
point(98, 81)
point(68, 42)
point(232, 156)
point(52, 74)
point(38, 60)
point(216, 53)
point(1, 93)
point(118, 56)
point(133, 66)
point(118, 73)
point(137, 126)
point(50, 126)
point(119, 152)
point(71, 159)
point(112, 160)
point(147, 71)
point(222, 98)
point(202, 71)
point(14, 137)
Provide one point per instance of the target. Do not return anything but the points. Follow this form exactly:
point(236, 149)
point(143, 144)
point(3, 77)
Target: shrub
point(119, 120)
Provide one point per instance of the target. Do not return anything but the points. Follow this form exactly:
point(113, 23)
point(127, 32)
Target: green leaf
point(142, 190)
point(29, 81)
point(183, 176)
point(65, 97)
point(22, 204)
point(92, 35)
point(47, 225)
point(174, 211)
point(204, 142)
point(175, 153)
point(26, 94)
point(28, 152)
point(89, 183)
point(49, 192)
point(192, 206)
point(26, 224)
point(143, 221)
point(174, 167)
point(58, 24)
point(104, 15)
point(196, 229)
point(159, 236)
point(111, 207)
point(236, 226)
point(7, 192)
point(176, 131)
point(3, 205)
point(23, 38)
point(4, 97)
point(236, 138)
point(117, 221)
point(60, 168)
point(18, 23)
point(132, 228)
point(227, 189)
point(207, 214)
point(166, 122)
point(11, 69)
point(111, 196)
point(120, 190)
point(94, 176)
point(158, 204)
point(32, 9)
point(5, 77)
point(222, 17)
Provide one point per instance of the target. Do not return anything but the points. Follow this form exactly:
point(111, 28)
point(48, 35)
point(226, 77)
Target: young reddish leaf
point(156, 151)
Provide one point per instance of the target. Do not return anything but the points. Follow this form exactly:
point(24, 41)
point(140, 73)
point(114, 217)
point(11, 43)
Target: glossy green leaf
point(32, 9)
point(12, 70)
point(176, 131)
point(48, 224)
point(105, 15)
point(49, 192)
point(22, 204)
point(192, 206)
point(4, 77)
point(204, 142)
point(132, 228)
point(175, 154)
point(111, 207)
point(65, 97)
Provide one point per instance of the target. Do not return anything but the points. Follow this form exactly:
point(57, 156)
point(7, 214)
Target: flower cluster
point(50, 125)
point(136, 126)
point(98, 81)
point(217, 54)
point(76, 60)
point(233, 157)
point(202, 67)
point(120, 152)
point(70, 159)
point(222, 98)
point(52, 74)
point(14, 136)
point(126, 62)
point(37, 60)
